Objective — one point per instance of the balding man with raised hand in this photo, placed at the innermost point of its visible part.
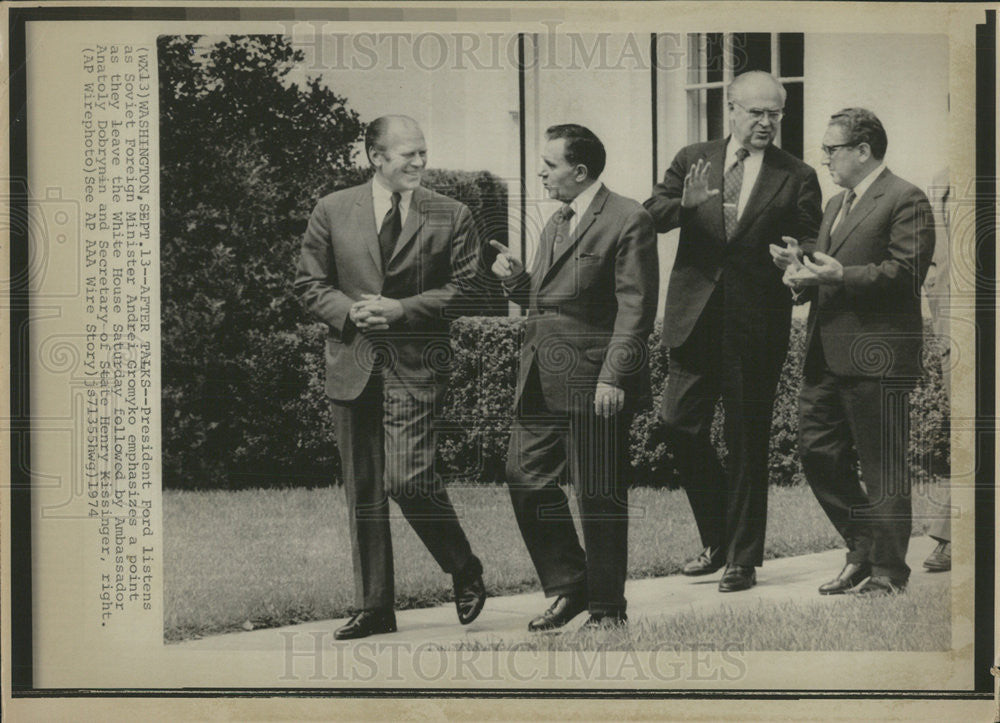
(728, 315)
(381, 264)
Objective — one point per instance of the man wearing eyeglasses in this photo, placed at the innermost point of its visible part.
(863, 345)
(728, 315)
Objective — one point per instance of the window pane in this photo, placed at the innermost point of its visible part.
(751, 51)
(713, 110)
(694, 115)
(791, 126)
(694, 58)
(713, 57)
(790, 49)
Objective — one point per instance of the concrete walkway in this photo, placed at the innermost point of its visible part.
(506, 618)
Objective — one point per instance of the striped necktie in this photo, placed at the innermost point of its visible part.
(561, 231)
(732, 182)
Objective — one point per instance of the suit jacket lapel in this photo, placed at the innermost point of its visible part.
(769, 182)
(585, 222)
(414, 220)
(858, 212)
(363, 223)
(823, 237)
(713, 206)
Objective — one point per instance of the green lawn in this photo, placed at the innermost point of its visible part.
(276, 557)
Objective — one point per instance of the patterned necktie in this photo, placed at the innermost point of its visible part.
(563, 215)
(732, 182)
(848, 202)
(389, 233)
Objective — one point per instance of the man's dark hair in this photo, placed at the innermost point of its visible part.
(377, 129)
(582, 147)
(862, 126)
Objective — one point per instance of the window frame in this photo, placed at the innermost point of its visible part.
(696, 92)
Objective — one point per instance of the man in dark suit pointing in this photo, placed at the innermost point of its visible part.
(591, 299)
(381, 264)
(728, 315)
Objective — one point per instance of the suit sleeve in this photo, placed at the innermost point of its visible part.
(637, 279)
(665, 204)
(432, 305)
(909, 252)
(316, 276)
(810, 212)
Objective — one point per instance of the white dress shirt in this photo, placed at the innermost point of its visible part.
(382, 198)
(751, 169)
(581, 203)
(859, 190)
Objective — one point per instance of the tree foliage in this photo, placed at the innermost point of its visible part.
(244, 154)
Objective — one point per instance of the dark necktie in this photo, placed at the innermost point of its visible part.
(389, 233)
(563, 215)
(732, 182)
(848, 202)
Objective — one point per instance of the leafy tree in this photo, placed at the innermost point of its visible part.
(245, 154)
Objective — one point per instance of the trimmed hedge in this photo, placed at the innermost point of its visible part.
(287, 438)
(477, 413)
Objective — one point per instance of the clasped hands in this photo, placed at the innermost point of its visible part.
(374, 312)
(800, 270)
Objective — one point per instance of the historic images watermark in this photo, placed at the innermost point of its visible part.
(315, 656)
(326, 48)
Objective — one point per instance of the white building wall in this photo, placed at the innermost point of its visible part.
(903, 79)
(613, 98)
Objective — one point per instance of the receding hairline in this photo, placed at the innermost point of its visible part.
(385, 125)
(751, 76)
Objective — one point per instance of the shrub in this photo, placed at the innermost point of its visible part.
(286, 437)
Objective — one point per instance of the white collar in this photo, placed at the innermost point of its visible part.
(383, 195)
(865, 183)
(583, 200)
(734, 145)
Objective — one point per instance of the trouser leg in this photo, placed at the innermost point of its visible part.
(686, 413)
(359, 435)
(536, 463)
(599, 459)
(748, 402)
(410, 479)
(830, 462)
(878, 412)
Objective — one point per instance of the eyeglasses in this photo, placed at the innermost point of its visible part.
(830, 150)
(758, 114)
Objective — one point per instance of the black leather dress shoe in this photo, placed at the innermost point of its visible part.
(849, 578)
(470, 592)
(602, 621)
(880, 585)
(738, 577)
(564, 609)
(940, 559)
(365, 623)
(710, 560)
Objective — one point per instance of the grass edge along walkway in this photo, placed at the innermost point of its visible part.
(268, 558)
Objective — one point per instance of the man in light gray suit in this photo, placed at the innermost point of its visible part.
(381, 264)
